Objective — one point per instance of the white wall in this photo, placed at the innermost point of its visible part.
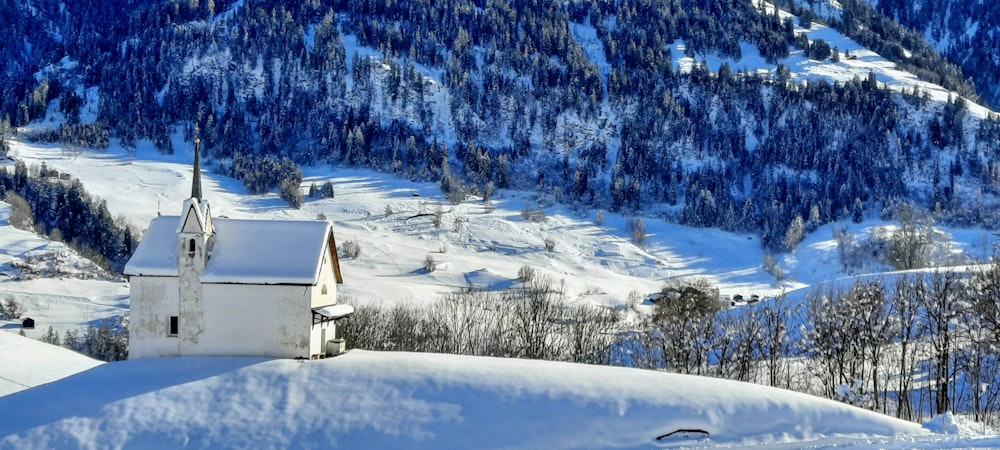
(328, 279)
(153, 301)
(317, 343)
(318, 338)
(239, 320)
(256, 320)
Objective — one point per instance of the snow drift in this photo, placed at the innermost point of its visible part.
(392, 400)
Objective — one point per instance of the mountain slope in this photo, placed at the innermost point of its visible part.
(382, 400)
(966, 31)
(601, 105)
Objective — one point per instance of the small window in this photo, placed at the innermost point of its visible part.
(324, 290)
(191, 247)
(173, 326)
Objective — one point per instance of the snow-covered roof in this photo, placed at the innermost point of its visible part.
(338, 311)
(245, 251)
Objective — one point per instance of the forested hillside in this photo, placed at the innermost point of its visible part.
(966, 31)
(493, 94)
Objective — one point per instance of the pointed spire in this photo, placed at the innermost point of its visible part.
(196, 181)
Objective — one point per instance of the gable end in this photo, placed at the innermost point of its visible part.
(332, 244)
(192, 221)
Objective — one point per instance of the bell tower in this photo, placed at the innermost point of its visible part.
(195, 236)
(195, 229)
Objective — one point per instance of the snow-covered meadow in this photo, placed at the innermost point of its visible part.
(366, 399)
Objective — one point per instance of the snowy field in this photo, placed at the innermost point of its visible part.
(380, 400)
(475, 242)
(391, 400)
(26, 363)
(409, 400)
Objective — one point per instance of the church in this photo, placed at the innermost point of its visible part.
(228, 287)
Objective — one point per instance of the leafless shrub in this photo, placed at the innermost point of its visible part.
(536, 215)
(771, 266)
(637, 229)
(526, 274)
(438, 217)
(350, 249)
(457, 193)
(21, 216)
(599, 218)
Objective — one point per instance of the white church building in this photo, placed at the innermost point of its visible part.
(228, 287)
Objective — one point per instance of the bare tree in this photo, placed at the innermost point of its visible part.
(350, 249)
(21, 216)
(867, 306)
(910, 246)
(533, 309)
(986, 291)
(526, 273)
(941, 307)
(364, 329)
(983, 326)
(684, 315)
(774, 345)
(827, 337)
(438, 216)
(905, 306)
(747, 341)
(725, 351)
(796, 230)
(637, 229)
(599, 218)
(588, 334)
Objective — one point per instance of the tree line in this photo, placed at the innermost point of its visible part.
(911, 346)
(59, 207)
(530, 321)
(968, 29)
(106, 341)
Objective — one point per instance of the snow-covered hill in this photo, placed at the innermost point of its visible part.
(856, 61)
(26, 363)
(53, 284)
(473, 236)
(403, 400)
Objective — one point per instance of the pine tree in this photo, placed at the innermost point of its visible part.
(51, 336)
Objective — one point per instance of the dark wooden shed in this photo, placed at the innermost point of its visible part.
(28, 323)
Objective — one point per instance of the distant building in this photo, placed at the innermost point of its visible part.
(206, 286)
(28, 323)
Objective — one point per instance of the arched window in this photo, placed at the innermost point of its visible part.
(191, 247)
(324, 289)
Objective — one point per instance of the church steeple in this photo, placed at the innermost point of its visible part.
(196, 218)
(196, 180)
(195, 231)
